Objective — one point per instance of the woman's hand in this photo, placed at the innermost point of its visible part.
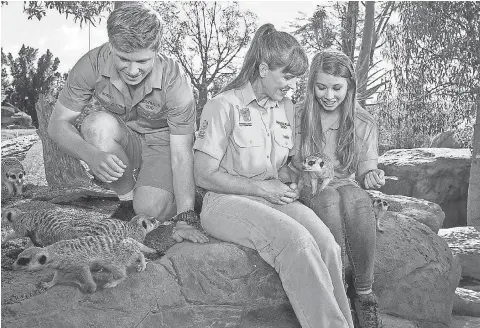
(277, 192)
(374, 179)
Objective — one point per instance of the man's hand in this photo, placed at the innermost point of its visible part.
(277, 192)
(374, 179)
(184, 231)
(106, 167)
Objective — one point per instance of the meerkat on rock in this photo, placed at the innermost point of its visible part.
(83, 254)
(13, 175)
(45, 226)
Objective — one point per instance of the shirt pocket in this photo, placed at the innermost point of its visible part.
(249, 152)
(151, 112)
(110, 106)
(284, 143)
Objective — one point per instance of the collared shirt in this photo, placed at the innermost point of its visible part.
(163, 101)
(248, 139)
(366, 132)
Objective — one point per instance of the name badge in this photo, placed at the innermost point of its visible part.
(245, 118)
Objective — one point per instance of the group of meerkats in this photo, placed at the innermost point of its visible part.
(68, 244)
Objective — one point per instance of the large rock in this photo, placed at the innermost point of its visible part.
(211, 285)
(439, 175)
(465, 244)
(415, 272)
(466, 302)
(423, 211)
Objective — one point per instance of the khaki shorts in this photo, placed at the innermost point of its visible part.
(150, 155)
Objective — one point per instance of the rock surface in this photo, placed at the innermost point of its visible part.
(415, 272)
(465, 244)
(466, 303)
(439, 175)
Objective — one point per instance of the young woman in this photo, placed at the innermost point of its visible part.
(244, 139)
(331, 122)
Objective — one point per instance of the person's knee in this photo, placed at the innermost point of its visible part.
(157, 203)
(327, 198)
(100, 128)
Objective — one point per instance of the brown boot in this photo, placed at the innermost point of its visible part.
(124, 211)
(366, 307)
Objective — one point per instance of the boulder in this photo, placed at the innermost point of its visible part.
(465, 244)
(466, 303)
(423, 211)
(465, 322)
(439, 175)
(415, 272)
(209, 285)
(221, 285)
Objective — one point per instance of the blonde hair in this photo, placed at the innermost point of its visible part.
(277, 49)
(335, 63)
(134, 26)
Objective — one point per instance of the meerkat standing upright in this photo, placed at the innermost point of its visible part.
(13, 175)
(316, 166)
(82, 254)
(380, 206)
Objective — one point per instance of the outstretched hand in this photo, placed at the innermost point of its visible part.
(374, 179)
(106, 167)
(183, 231)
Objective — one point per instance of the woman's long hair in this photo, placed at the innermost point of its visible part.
(335, 63)
(276, 49)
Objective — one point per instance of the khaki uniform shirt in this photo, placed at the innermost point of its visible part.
(249, 139)
(366, 131)
(163, 102)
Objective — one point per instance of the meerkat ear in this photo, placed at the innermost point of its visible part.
(42, 259)
(144, 225)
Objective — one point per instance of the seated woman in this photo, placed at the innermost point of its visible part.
(332, 123)
(245, 137)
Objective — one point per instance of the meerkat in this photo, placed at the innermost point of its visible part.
(83, 254)
(380, 206)
(13, 175)
(45, 227)
(314, 167)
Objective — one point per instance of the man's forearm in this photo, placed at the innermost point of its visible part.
(183, 182)
(67, 137)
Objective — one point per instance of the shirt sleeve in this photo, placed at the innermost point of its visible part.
(215, 129)
(79, 87)
(180, 102)
(369, 151)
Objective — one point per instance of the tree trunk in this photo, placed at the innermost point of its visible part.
(363, 61)
(349, 24)
(61, 169)
(202, 99)
(473, 202)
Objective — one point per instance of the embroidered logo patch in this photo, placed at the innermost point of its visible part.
(201, 131)
(244, 119)
(283, 125)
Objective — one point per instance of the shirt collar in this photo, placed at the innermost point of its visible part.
(248, 95)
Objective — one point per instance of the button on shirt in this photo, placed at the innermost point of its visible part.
(366, 132)
(249, 138)
(163, 101)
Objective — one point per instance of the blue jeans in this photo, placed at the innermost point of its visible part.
(346, 209)
(293, 240)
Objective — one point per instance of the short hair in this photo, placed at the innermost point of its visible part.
(277, 49)
(134, 26)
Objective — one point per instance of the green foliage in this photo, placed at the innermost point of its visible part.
(206, 38)
(82, 11)
(410, 124)
(5, 82)
(436, 50)
(30, 78)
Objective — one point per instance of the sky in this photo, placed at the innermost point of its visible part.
(67, 41)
